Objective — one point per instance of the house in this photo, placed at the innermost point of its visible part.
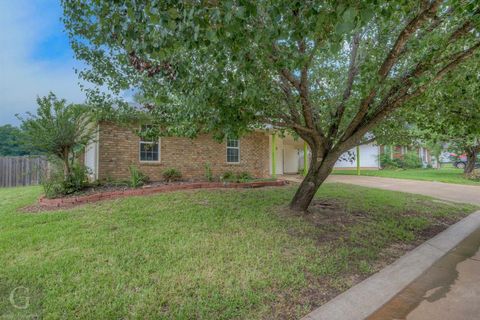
(397, 152)
(260, 153)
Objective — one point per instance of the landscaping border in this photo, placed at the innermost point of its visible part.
(73, 201)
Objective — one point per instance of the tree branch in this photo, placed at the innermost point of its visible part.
(352, 72)
(304, 90)
(405, 35)
(389, 61)
(316, 136)
(363, 142)
(387, 105)
(289, 76)
(144, 66)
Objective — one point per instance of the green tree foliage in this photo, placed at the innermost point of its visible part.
(330, 71)
(450, 112)
(59, 129)
(11, 141)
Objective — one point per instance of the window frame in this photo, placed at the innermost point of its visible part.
(151, 143)
(235, 148)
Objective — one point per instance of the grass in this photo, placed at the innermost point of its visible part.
(208, 254)
(449, 175)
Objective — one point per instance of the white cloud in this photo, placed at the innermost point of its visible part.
(24, 26)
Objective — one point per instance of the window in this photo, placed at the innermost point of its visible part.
(149, 150)
(233, 151)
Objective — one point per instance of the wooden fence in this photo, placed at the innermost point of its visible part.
(22, 171)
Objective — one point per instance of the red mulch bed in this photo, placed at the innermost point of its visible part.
(99, 196)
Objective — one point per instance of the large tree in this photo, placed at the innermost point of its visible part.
(330, 71)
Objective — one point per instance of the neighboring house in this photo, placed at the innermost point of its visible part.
(116, 148)
(397, 152)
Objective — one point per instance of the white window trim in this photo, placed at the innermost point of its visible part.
(159, 151)
(226, 152)
(151, 142)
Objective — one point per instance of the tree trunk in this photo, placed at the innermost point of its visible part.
(471, 160)
(66, 169)
(66, 164)
(313, 180)
(437, 160)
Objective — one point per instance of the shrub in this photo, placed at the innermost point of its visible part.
(77, 179)
(56, 184)
(53, 184)
(240, 177)
(244, 177)
(137, 178)
(227, 176)
(411, 160)
(387, 163)
(172, 174)
(208, 172)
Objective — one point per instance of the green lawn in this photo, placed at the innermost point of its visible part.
(212, 254)
(449, 175)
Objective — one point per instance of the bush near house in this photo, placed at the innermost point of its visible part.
(137, 177)
(55, 184)
(386, 162)
(409, 160)
(238, 177)
(172, 174)
(208, 172)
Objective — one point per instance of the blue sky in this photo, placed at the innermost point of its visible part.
(35, 57)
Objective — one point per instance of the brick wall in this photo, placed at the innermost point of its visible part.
(119, 148)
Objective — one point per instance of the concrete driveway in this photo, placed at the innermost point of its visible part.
(445, 191)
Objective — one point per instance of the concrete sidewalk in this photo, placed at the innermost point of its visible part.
(437, 280)
(448, 290)
(384, 292)
(446, 191)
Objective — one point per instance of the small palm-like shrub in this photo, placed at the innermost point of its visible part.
(137, 178)
(208, 172)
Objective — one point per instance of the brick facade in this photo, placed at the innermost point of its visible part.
(119, 148)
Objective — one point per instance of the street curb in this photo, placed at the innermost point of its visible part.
(369, 295)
